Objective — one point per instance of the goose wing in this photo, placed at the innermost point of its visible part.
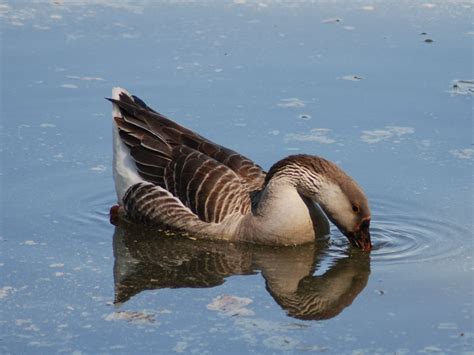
(211, 180)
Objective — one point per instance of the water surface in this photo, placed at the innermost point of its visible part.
(383, 89)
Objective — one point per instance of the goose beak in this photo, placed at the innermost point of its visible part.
(361, 237)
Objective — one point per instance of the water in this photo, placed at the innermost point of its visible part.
(358, 83)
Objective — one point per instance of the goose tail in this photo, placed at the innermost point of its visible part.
(124, 169)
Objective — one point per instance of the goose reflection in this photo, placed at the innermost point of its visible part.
(146, 262)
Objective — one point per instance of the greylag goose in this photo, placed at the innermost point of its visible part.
(170, 177)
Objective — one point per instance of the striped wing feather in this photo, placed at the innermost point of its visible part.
(211, 180)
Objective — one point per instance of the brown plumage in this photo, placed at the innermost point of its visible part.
(211, 180)
(169, 176)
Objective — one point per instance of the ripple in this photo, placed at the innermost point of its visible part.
(403, 239)
(85, 199)
(401, 232)
(91, 202)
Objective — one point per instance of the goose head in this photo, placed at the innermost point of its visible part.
(340, 197)
(346, 205)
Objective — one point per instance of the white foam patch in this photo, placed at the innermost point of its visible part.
(368, 8)
(6, 291)
(69, 86)
(180, 346)
(129, 35)
(4, 9)
(86, 78)
(56, 265)
(467, 153)
(389, 132)
(47, 125)
(318, 135)
(41, 27)
(131, 316)
(351, 77)
(447, 326)
(291, 102)
(231, 305)
(99, 168)
(432, 349)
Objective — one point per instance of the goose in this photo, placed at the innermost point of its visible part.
(169, 177)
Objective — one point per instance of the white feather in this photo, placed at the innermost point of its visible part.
(124, 168)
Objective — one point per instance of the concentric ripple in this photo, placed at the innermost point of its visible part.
(92, 203)
(403, 233)
(85, 199)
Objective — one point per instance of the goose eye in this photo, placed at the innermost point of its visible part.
(355, 208)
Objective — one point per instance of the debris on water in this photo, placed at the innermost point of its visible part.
(423, 33)
(431, 349)
(47, 125)
(131, 316)
(462, 87)
(351, 77)
(389, 132)
(304, 117)
(281, 342)
(69, 86)
(5, 291)
(180, 346)
(314, 348)
(85, 78)
(315, 135)
(429, 40)
(231, 305)
(467, 153)
(99, 168)
(56, 265)
(447, 326)
(292, 102)
(332, 20)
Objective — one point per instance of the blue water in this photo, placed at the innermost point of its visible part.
(354, 82)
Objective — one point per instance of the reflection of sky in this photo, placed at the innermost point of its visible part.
(354, 70)
(355, 82)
